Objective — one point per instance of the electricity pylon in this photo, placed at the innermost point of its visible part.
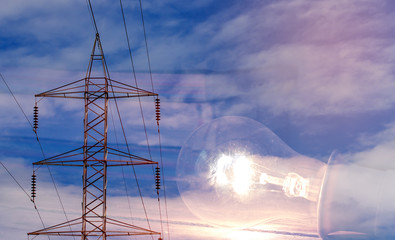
(95, 156)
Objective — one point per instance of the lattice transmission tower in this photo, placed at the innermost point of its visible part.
(95, 156)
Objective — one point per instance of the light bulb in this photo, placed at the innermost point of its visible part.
(235, 172)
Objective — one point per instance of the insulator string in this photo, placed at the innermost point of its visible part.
(157, 110)
(35, 118)
(157, 187)
(33, 192)
(157, 179)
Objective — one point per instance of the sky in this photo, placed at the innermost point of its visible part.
(318, 74)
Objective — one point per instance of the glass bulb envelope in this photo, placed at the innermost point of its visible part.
(235, 172)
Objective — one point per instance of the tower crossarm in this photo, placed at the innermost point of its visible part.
(116, 228)
(115, 89)
(115, 157)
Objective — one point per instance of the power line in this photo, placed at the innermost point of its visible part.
(16, 181)
(164, 185)
(92, 16)
(42, 151)
(123, 172)
(146, 45)
(159, 135)
(139, 100)
(133, 168)
(135, 78)
(153, 90)
(119, 115)
(20, 107)
(20, 186)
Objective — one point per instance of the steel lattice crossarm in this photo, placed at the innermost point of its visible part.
(78, 90)
(119, 228)
(75, 157)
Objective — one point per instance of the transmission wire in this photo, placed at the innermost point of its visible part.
(16, 181)
(146, 45)
(123, 172)
(34, 204)
(119, 116)
(128, 149)
(42, 151)
(135, 79)
(163, 181)
(9, 89)
(92, 16)
(159, 135)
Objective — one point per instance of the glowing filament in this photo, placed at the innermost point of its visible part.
(235, 171)
(242, 175)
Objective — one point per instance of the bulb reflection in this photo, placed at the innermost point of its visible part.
(235, 172)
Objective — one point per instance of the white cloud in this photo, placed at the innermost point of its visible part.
(314, 80)
(378, 150)
(306, 58)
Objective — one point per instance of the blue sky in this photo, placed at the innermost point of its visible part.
(319, 74)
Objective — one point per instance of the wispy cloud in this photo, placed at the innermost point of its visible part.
(310, 59)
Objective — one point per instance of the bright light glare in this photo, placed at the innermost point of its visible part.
(223, 163)
(235, 171)
(242, 175)
(263, 178)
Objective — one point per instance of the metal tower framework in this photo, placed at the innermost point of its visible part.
(95, 156)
